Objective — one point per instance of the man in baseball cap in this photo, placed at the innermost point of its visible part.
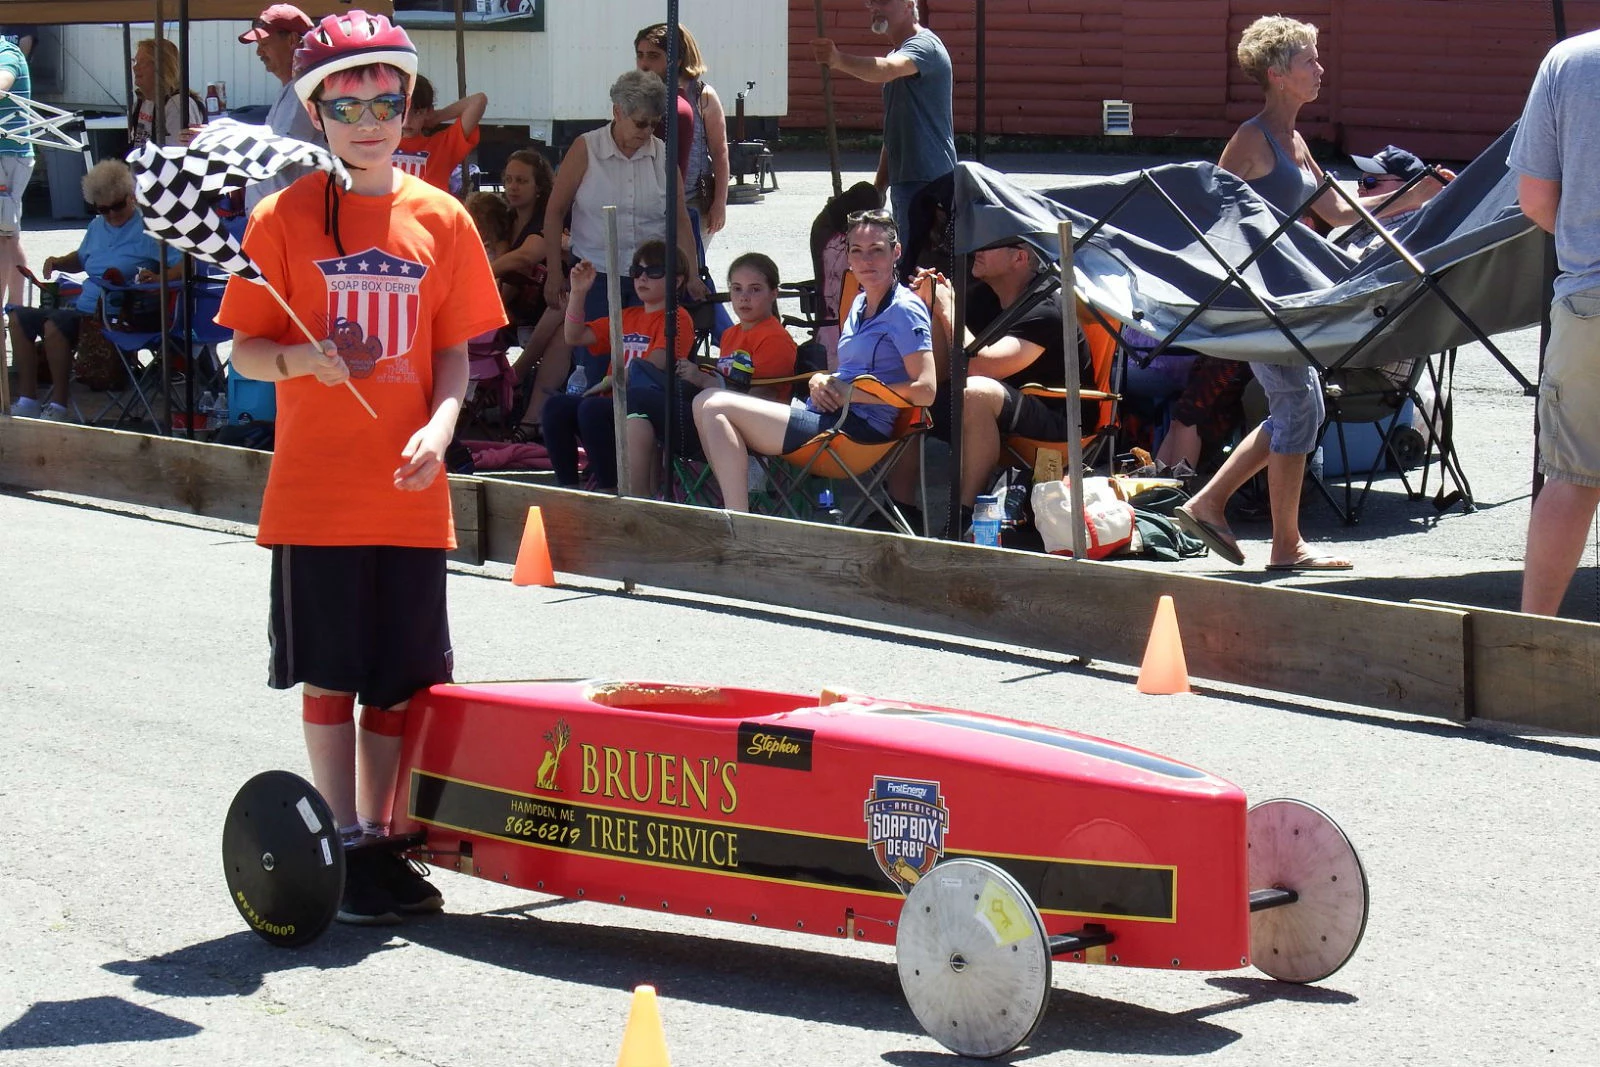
(279, 18)
(276, 33)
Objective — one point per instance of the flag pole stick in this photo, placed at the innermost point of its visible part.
(316, 341)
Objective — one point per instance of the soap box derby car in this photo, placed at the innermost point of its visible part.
(983, 847)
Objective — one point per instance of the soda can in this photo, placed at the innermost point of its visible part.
(741, 370)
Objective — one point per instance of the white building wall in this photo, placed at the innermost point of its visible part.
(531, 78)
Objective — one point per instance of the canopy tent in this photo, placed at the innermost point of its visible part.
(57, 12)
(1145, 264)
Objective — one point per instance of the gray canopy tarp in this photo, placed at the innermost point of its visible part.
(1146, 268)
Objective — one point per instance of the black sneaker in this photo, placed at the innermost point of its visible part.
(402, 880)
(365, 901)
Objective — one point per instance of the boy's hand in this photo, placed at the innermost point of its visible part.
(424, 459)
(324, 362)
(583, 275)
(697, 289)
(598, 387)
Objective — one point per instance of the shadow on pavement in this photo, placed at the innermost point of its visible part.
(91, 1021)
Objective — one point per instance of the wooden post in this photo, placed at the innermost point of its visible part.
(619, 373)
(1069, 340)
(461, 83)
(827, 106)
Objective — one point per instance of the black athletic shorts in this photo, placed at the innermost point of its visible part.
(1028, 416)
(365, 619)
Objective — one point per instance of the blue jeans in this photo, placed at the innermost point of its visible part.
(568, 419)
(900, 197)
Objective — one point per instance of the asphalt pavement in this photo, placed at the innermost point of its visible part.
(132, 662)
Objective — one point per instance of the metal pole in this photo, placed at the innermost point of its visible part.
(670, 429)
(461, 82)
(827, 106)
(619, 373)
(158, 131)
(186, 294)
(1069, 340)
(958, 390)
(980, 126)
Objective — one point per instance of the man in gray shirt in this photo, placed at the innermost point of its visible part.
(919, 142)
(1556, 152)
(276, 33)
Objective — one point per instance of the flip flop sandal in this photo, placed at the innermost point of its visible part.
(1313, 563)
(1212, 536)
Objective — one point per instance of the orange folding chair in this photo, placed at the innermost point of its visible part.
(834, 454)
(1100, 437)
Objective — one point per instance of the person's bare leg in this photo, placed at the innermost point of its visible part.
(26, 351)
(12, 284)
(1286, 475)
(732, 426)
(980, 435)
(1558, 531)
(59, 354)
(1243, 463)
(377, 760)
(1182, 442)
(331, 751)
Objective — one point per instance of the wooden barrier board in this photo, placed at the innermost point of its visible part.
(1374, 653)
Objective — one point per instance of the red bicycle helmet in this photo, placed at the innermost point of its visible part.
(343, 42)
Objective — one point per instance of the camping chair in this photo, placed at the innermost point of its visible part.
(834, 454)
(1099, 440)
(131, 335)
(201, 343)
(1377, 398)
(491, 384)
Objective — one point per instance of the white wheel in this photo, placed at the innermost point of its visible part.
(974, 958)
(1293, 845)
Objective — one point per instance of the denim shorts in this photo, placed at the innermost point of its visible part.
(804, 424)
(1294, 406)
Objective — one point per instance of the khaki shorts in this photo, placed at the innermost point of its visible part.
(1569, 392)
(14, 174)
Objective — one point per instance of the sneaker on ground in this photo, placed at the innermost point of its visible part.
(365, 902)
(54, 412)
(25, 407)
(402, 879)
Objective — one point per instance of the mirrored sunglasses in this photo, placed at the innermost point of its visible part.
(348, 109)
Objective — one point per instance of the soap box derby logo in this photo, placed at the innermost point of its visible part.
(775, 746)
(906, 825)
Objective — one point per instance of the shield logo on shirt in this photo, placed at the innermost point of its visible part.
(373, 303)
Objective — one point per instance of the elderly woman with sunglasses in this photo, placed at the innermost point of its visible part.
(115, 245)
(887, 334)
(622, 163)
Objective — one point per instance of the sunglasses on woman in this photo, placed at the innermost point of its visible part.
(349, 109)
(106, 209)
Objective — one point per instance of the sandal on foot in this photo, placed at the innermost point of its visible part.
(1213, 536)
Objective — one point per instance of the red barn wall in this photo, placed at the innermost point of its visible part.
(1442, 77)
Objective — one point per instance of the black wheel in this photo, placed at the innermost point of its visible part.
(282, 858)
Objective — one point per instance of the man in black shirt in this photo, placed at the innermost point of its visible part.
(1029, 352)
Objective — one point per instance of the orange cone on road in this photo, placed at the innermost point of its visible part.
(644, 1043)
(1164, 671)
(533, 556)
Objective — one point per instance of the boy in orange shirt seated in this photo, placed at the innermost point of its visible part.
(357, 511)
(585, 412)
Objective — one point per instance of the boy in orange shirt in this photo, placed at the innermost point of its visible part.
(357, 512)
(434, 143)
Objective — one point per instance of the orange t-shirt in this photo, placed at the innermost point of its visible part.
(642, 333)
(433, 157)
(415, 280)
(769, 346)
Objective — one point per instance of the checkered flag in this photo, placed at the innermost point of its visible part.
(178, 187)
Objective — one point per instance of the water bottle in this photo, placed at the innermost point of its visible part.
(578, 383)
(826, 509)
(1315, 463)
(741, 370)
(203, 408)
(986, 521)
(219, 410)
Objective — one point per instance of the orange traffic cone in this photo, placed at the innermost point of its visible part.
(533, 557)
(644, 1043)
(1164, 671)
